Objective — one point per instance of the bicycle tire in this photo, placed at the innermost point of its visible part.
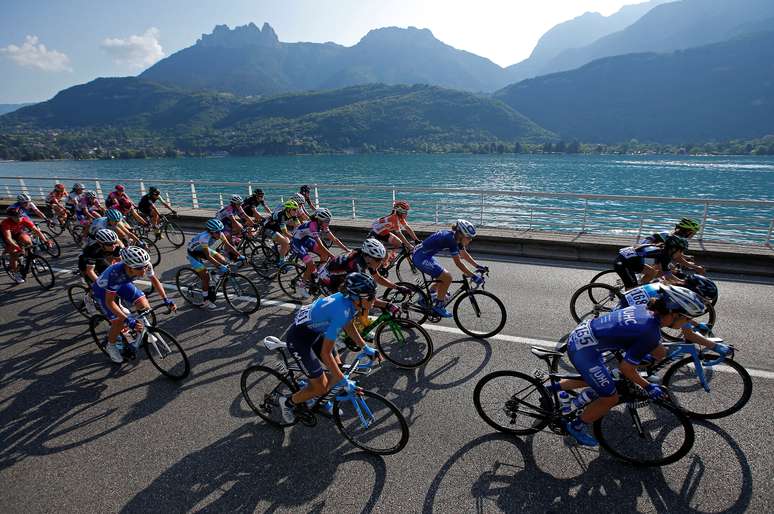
(42, 272)
(189, 285)
(288, 277)
(407, 271)
(531, 400)
(351, 423)
(153, 250)
(175, 234)
(96, 334)
(76, 293)
(709, 318)
(410, 339)
(474, 299)
(264, 259)
(4, 259)
(411, 303)
(608, 300)
(165, 344)
(683, 370)
(238, 287)
(609, 277)
(265, 404)
(55, 226)
(54, 250)
(613, 437)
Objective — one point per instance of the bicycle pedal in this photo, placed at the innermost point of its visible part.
(307, 418)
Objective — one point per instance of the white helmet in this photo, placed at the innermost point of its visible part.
(324, 215)
(23, 197)
(466, 228)
(236, 199)
(373, 248)
(106, 236)
(682, 300)
(135, 257)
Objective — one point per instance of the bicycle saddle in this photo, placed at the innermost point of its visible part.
(542, 353)
(272, 343)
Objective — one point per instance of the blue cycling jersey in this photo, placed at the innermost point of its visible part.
(25, 212)
(327, 315)
(441, 240)
(115, 277)
(634, 329)
(640, 295)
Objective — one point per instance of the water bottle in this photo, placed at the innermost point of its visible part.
(565, 403)
(584, 398)
(616, 374)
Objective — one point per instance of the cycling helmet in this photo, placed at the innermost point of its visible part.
(304, 189)
(681, 300)
(214, 225)
(323, 215)
(154, 191)
(106, 236)
(23, 198)
(135, 257)
(236, 199)
(290, 204)
(12, 211)
(114, 215)
(91, 195)
(59, 187)
(688, 224)
(77, 186)
(675, 243)
(400, 207)
(119, 188)
(258, 192)
(373, 248)
(702, 286)
(465, 228)
(299, 198)
(359, 285)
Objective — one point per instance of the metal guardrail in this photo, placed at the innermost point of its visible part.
(745, 222)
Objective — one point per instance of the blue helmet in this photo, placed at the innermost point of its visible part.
(702, 286)
(359, 285)
(114, 215)
(215, 225)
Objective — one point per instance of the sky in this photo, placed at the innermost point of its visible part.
(47, 46)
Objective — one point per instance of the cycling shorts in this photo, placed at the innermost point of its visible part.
(305, 345)
(627, 269)
(127, 292)
(303, 247)
(427, 265)
(82, 217)
(590, 364)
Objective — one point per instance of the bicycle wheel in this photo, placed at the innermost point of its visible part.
(55, 226)
(583, 306)
(372, 423)
(676, 334)
(54, 250)
(513, 402)
(262, 387)
(609, 277)
(412, 304)
(175, 234)
(42, 272)
(730, 387)
(153, 250)
(404, 343)
(99, 327)
(289, 277)
(479, 314)
(4, 259)
(78, 294)
(645, 433)
(165, 353)
(406, 271)
(241, 294)
(189, 285)
(264, 260)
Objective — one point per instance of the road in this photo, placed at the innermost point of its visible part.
(77, 434)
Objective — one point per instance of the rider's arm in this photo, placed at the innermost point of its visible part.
(8, 238)
(110, 300)
(229, 246)
(125, 232)
(410, 230)
(159, 287)
(683, 261)
(469, 258)
(629, 370)
(399, 234)
(696, 338)
(383, 281)
(461, 265)
(89, 272)
(38, 233)
(335, 240)
(326, 354)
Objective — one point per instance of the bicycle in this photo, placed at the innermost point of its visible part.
(82, 299)
(163, 350)
(51, 249)
(29, 261)
(366, 419)
(171, 230)
(239, 291)
(402, 263)
(476, 312)
(638, 430)
(401, 341)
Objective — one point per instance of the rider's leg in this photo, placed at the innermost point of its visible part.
(444, 280)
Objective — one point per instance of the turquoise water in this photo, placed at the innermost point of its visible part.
(748, 177)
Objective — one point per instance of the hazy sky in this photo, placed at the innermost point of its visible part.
(46, 46)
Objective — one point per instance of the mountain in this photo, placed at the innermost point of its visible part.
(249, 61)
(671, 26)
(576, 33)
(714, 92)
(6, 108)
(129, 110)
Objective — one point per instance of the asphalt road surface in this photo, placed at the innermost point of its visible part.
(80, 435)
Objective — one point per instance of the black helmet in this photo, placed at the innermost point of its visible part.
(702, 286)
(258, 192)
(12, 211)
(154, 191)
(359, 285)
(305, 189)
(674, 243)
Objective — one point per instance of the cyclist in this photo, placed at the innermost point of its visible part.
(368, 258)
(306, 239)
(117, 282)
(305, 191)
(303, 214)
(16, 240)
(637, 330)
(650, 260)
(276, 227)
(97, 256)
(388, 229)
(456, 242)
(54, 200)
(203, 247)
(113, 220)
(311, 339)
(119, 200)
(685, 228)
(251, 204)
(88, 208)
(27, 208)
(74, 197)
(148, 209)
(228, 216)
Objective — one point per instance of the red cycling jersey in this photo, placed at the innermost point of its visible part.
(16, 227)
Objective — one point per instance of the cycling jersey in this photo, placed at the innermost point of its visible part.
(640, 295)
(94, 255)
(424, 252)
(384, 225)
(55, 196)
(120, 202)
(73, 197)
(278, 221)
(116, 280)
(16, 228)
(636, 330)
(86, 206)
(145, 204)
(225, 214)
(632, 260)
(333, 272)
(311, 229)
(655, 238)
(251, 204)
(24, 211)
(98, 224)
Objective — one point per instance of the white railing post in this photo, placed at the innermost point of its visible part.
(354, 214)
(393, 195)
(194, 198)
(249, 188)
(639, 232)
(42, 196)
(98, 189)
(436, 212)
(316, 198)
(142, 188)
(481, 214)
(168, 200)
(531, 213)
(703, 221)
(8, 191)
(220, 196)
(585, 213)
(23, 186)
(768, 237)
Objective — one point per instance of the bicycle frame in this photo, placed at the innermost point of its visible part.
(677, 350)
